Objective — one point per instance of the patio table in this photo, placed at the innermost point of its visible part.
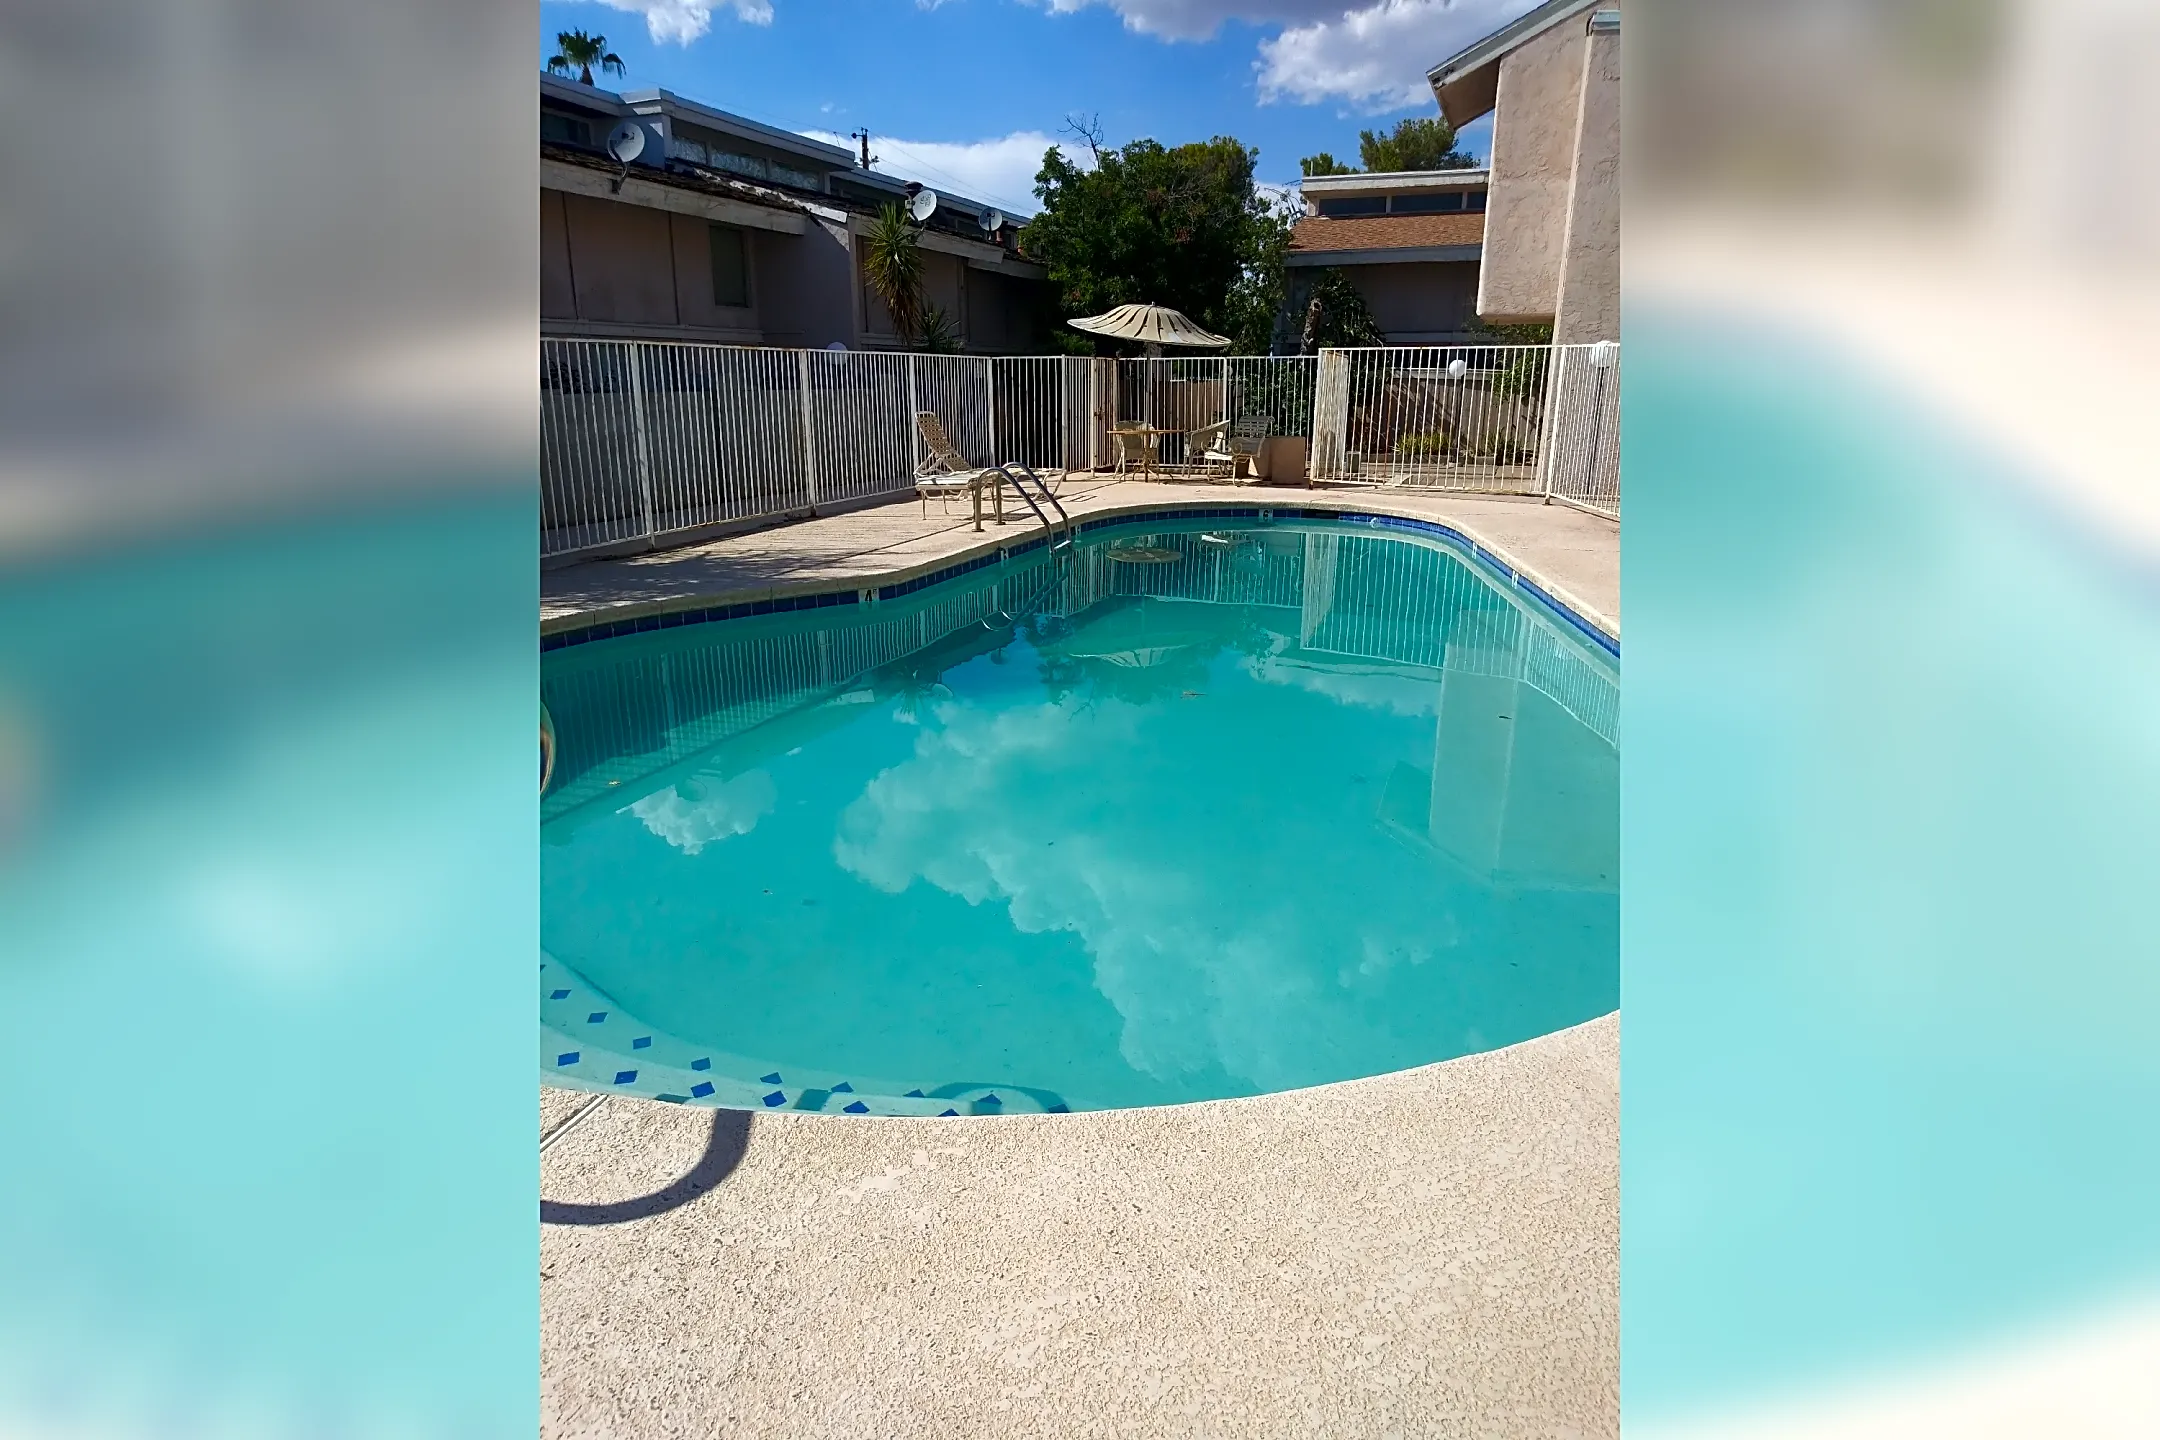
(1152, 434)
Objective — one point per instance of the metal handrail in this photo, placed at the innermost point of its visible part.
(1006, 470)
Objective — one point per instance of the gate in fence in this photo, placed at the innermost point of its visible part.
(648, 441)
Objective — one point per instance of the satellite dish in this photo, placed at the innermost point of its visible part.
(626, 141)
(923, 206)
(991, 220)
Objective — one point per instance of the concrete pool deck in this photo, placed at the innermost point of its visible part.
(1570, 553)
(1428, 1253)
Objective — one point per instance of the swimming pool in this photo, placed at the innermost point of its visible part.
(1190, 810)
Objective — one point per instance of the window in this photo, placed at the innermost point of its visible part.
(1475, 200)
(1426, 204)
(730, 266)
(564, 129)
(1346, 209)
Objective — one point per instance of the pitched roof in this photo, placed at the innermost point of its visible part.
(1387, 232)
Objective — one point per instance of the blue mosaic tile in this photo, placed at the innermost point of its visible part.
(843, 1088)
(703, 1062)
(559, 995)
(596, 1017)
(701, 1089)
(915, 1094)
(624, 1077)
(568, 1057)
(776, 1098)
(943, 1113)
(643, 1042)
(991, 1100)
(772, 1079)
(674, 1099)
(858, 1108)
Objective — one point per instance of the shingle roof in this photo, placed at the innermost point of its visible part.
(677, 174)
(1387, 232)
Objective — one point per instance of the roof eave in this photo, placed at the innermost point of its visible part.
(1460, 71)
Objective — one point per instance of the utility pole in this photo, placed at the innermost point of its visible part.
(864, 136)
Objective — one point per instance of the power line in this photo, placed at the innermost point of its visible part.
(1004, 201)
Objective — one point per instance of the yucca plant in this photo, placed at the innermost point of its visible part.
(940, 336)
(574, 49)
(893, 268)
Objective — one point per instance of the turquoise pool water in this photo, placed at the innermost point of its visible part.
(1178, 814)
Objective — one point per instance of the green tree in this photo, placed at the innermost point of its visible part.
(1417, 142)
(1325, 164)
(1336, 314)
(576, 50)
(1256, 296)
(893, 269)
(1180, 226)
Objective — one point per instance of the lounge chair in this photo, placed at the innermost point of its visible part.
(942, 472)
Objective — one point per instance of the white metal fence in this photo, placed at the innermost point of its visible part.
(1582, 447)
(646, 441)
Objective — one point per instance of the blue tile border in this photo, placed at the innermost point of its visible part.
(780, 605)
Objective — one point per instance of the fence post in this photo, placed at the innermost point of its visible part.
(914, 407)
(1331, 413)
(990, 394)
(809, 431)
(637, 429)
(1549, 431)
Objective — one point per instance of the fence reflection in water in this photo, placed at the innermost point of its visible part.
(1328, 598)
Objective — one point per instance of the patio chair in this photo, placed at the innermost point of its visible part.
(1203, 449)
(942, 472)
(1241, 446)
(1135, 448)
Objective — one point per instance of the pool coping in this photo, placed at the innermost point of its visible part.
(581, 626)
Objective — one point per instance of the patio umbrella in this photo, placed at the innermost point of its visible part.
(1153, 325)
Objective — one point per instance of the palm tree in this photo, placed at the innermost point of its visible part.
(576, 48)
(893, 268)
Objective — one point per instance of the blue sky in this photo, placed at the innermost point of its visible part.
(965, 94)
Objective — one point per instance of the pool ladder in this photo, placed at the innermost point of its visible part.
(1018, 475)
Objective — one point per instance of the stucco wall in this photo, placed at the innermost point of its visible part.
(805, 287)
(1533, 156)
(1588, 304)
(1414, 301)
(1001, 314)
(612, 268)
(556, 300)
(622, 267)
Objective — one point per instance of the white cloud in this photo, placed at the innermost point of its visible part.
(1000, 171)
(1208, 962)
(682, 21)
(705, 810)
(1199, 19)
(1375, 58)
